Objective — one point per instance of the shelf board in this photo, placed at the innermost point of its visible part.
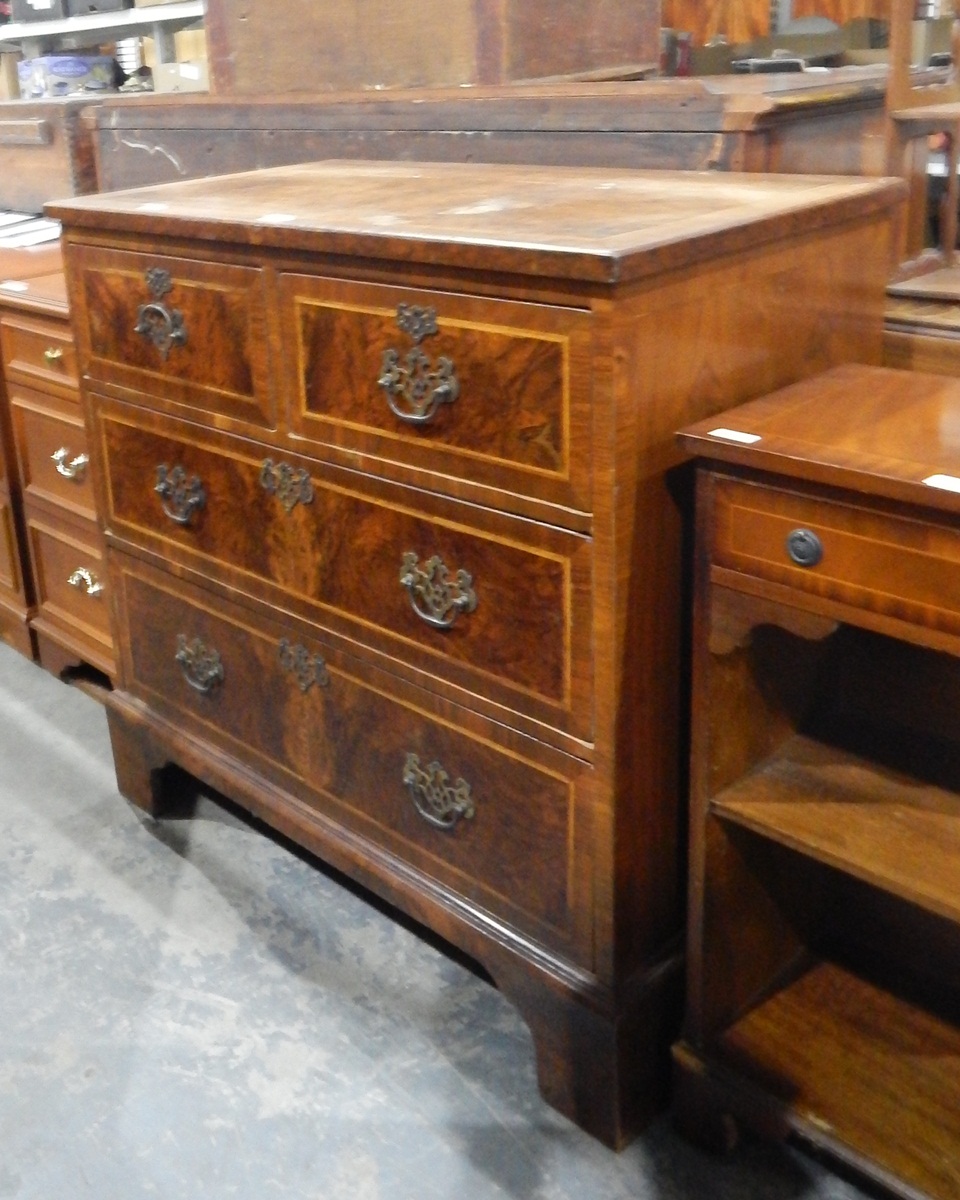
(864, 1074)
(126, 23)
(880, 825)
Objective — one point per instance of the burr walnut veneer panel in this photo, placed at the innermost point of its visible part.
(394, 517)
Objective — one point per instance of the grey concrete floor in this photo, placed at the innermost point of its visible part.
(189, 1010)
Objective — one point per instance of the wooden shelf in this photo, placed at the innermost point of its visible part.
(882, 1050)
(127, 23)
(882, 826)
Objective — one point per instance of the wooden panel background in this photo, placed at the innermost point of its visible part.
(303, 46)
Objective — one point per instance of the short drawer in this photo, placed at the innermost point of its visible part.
(11, 579)
(472, 598)
(70, 577)
(182, 332)
(52, 451)
(39, 352)
(846, 552)
(488, 391)
(494, 824)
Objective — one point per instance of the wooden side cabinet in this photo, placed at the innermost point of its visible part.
(53, 600)
(824, 934)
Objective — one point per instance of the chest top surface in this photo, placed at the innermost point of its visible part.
(874, 430)
(591, 224)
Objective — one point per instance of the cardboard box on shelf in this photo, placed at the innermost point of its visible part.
(181, 77)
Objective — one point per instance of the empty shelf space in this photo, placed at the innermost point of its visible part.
(880, 825)
(842, 1056)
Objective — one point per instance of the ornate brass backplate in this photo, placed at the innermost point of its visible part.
(440, 802)
(414, 385)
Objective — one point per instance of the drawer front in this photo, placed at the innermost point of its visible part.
(39, 352)
(889, 564)
(11, 581)
(179, 331)
(489, 391)
(53, 452)
(476, 599)
(71, 578)
(500, 830)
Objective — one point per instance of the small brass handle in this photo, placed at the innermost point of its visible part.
(435, 596)
(53, 354)
(84, 578)
(441, 803)
(416, 387)
(180, 497)
(804, 547)
(200, 664)
(74, 469)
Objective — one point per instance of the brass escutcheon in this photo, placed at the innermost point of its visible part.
(291, 485)
(307, 669)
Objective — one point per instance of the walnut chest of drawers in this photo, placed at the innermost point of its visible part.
(394, 522)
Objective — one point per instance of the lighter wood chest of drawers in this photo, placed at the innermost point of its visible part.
(394, 520)
(53, 603)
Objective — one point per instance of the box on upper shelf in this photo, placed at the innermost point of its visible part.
(89, 8)
(38, 10)
(66, 75)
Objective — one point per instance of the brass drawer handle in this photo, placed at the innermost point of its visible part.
(158, 324)
(200, 664)
(306, 668)
(291, 485)
(804, 547)
(435, 596)
(84, 578)
(74, 469)
(441, 803)
(414, 386)
(180, 497)
(53, 354)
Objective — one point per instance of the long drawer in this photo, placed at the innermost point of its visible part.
(880, 562)
(494, 824)
(472, 598)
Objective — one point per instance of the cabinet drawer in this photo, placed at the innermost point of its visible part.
(474, 598)
(179, 331)
(70, 578)
(885, 563)
(53, 452)
(347, 750)
(39, 352)
(489, 391)
(11, 580)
